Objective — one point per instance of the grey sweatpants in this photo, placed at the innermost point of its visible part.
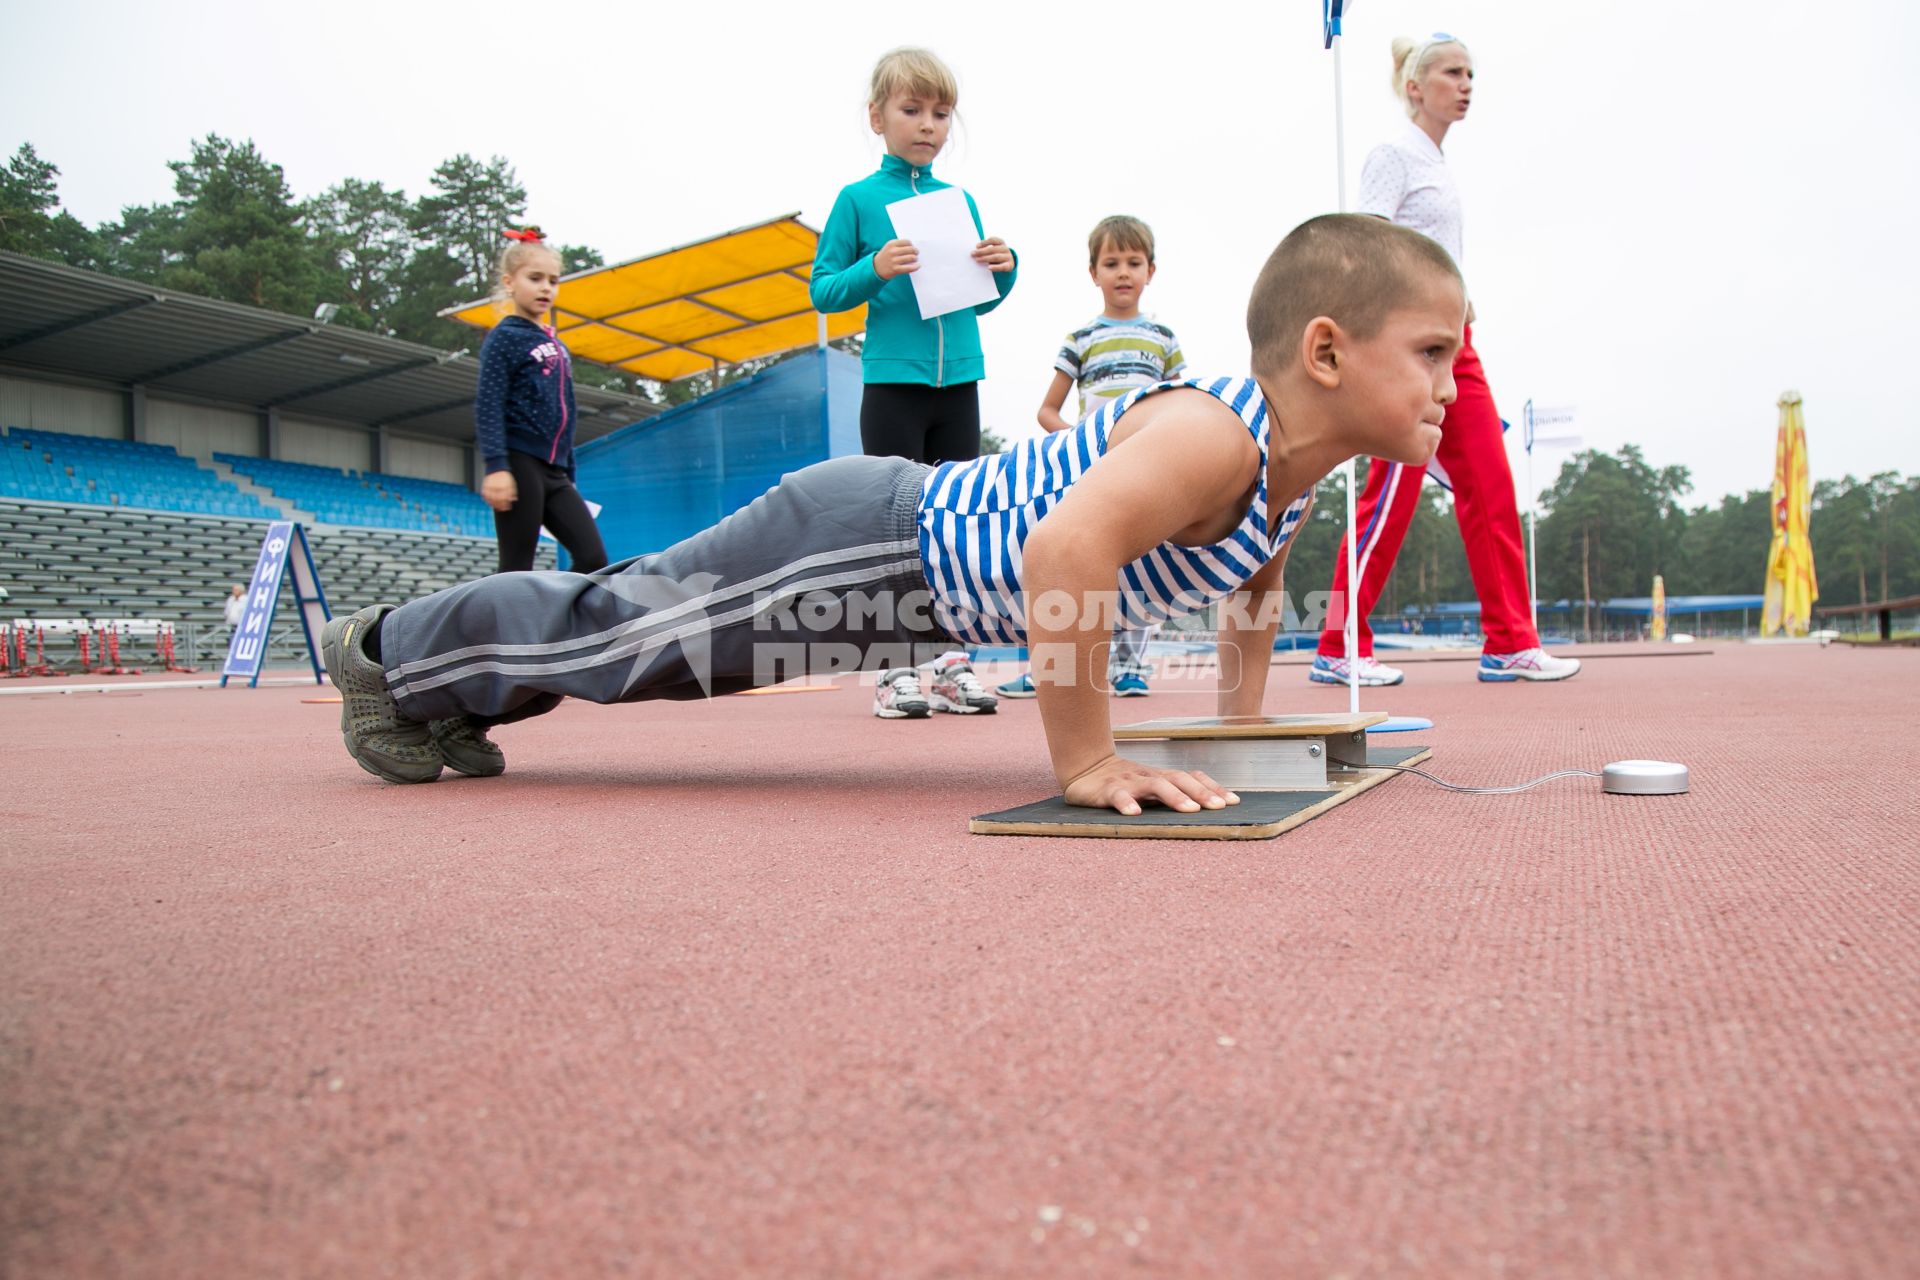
(820, 574)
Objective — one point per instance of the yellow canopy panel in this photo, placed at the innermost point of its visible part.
(734, 297)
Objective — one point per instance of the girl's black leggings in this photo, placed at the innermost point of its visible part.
(927, 424)
(547, 496)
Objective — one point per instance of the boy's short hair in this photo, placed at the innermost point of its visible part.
(1124, 232)
(1353, 268)
(914, 71)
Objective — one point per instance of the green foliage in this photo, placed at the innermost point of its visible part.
(139, 246)
(470, 207)
(363, 233)
(1866, 538)
(31, 219)
(578, 257)
(430, 281)
(238, 234)
(1723, 549)
(29, 192)
(71, 241)
(1624, 518)
(1431, 566)
(1612, 522)
(1310, 559)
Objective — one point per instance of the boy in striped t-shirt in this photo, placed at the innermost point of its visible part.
(1120, 349)
(1110, 355)
(1169, 500)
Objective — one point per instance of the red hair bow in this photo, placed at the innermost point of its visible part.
(527, 235)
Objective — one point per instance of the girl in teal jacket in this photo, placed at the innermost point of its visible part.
(921, 397)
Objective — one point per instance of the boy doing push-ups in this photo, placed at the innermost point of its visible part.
(1169, 499)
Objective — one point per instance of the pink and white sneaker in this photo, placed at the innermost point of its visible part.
(1327, 670)
(1528, 664)
(897, 696)
(957, 689)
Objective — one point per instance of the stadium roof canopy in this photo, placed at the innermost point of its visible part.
(733, 297)
(63, 320)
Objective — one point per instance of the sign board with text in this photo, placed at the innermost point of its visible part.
(283, 555)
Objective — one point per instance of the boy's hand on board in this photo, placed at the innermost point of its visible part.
(1120, 784)
(993, 254)
(896, 258)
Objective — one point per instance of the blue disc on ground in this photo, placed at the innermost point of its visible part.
(1400, 724)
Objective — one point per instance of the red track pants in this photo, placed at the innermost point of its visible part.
(1475, 456)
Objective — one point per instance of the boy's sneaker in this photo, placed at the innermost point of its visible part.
(898, 696)
(957, 689)
(1020, 688)
(386, 743)
(1326, 670)
(1528, 664)
(464, 746)
(1131, 686)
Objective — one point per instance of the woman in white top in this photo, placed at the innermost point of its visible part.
(1406, 180)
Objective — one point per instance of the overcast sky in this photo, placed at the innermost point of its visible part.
(1672, 212)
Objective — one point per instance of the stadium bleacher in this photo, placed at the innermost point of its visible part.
(53, 466)
(372, 499)
(76, 560)
(457, 507)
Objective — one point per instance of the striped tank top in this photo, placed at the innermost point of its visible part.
(975, 517)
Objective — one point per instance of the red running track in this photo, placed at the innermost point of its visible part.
(725, 990)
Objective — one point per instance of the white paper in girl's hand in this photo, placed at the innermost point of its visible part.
(941, 228)
(593, 509)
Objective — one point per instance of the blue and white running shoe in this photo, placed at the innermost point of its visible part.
(1327, 670)
(1528, 664)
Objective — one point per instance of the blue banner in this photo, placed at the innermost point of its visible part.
(283, 554)
(1331, 11)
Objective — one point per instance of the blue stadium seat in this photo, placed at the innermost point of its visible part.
(369, 498)
(108, 472)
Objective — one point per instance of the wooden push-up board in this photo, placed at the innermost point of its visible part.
(1260, 815)
(1296, 726)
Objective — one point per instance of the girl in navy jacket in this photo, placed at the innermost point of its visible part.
(524, 415)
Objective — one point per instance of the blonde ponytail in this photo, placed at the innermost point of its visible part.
(1402, 46)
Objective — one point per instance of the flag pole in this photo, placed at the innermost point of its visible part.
(1331, 11)
(1533, 508)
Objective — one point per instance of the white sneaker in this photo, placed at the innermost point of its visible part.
(1528, 664)
(957, 689)
(1327, 670)
(898, 697)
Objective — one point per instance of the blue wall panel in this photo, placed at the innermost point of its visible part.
(671, 476)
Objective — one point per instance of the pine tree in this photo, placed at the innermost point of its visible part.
(240, 235)
(31, 219)
(364, 232)
(464, 216)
